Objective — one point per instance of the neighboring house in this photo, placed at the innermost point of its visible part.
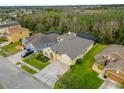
(5, 25)
(68, 48)
(113, 60)
(39, 41)
(17, 33)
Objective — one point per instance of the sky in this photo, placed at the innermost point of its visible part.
(58, 2)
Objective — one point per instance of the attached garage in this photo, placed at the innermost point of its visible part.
(68, 49)
(117, 77)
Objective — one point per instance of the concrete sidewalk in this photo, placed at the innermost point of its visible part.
(109, 84)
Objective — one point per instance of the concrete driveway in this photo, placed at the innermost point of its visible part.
(16, 57)
(50, 74)
(13, 78)
(109, 84)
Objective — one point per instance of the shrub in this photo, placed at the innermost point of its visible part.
(122, 86)
(72, 66)
(105, 76)
(79, 61)
(42, 58)
(101, 67)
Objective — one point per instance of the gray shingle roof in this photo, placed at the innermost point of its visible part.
(72, 47)
(67, 36)
(118, 65)
(39, 40)
(116, 52)
(112, 49)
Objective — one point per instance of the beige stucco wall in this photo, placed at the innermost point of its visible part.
(56, 57)
(49, 52)
(67, 60)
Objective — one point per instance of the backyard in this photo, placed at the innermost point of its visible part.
(10, 49)
(37, 60)
(81, 76)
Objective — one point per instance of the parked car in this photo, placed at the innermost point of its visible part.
(26, 53)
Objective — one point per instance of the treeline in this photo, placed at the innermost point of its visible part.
(107, 26)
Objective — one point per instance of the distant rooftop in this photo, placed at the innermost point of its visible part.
(8, 23)
(18, 30)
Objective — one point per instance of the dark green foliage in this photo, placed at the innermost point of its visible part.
(37, 60)
(72, 67)
(79, 61)
(42, 58)
(122, 86)
(106, 25)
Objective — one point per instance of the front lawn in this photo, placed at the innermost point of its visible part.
(37, 60)
(10, 49)
(29, 70)
(81, 76)
(3, 54)
(3, 39)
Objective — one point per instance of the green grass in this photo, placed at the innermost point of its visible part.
(18, 63)
(81, 76)
(10, 49)
(3, 39)
(1, 86)
(29, 70)
(3, 54)
(32, 60)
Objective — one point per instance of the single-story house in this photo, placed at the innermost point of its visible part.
(39, 41)
(68, 48)
(5, 25)
(113, 60)
(115, 71)
(17, 33)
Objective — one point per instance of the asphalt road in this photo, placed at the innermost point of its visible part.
(16, 57)
(13, 78)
